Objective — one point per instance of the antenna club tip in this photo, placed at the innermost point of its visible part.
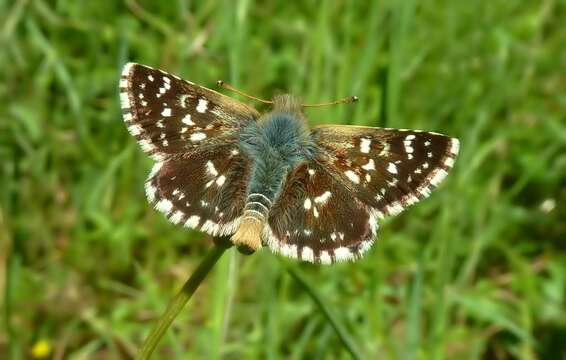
(354, 99)
(220, 83)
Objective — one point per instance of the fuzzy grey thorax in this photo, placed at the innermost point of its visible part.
(276, 143)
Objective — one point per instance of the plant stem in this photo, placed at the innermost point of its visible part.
(332, 319)
(181, 299)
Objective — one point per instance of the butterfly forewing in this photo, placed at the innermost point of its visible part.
(387, 169)
(168, 115)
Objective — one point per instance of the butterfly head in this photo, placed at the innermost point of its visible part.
(287, 103)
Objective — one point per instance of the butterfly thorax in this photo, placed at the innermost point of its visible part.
(275, 144)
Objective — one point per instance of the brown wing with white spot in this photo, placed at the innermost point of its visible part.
(387, 169)
(168, 115)
(316, 219)
(203, 190)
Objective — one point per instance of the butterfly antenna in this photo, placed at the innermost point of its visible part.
(233, 89)
(347, 100)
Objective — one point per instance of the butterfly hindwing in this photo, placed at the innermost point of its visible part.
(168, 115)
(203, 190)
(316, 219)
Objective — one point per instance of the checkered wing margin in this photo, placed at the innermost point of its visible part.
(329, 207)
(168, 115)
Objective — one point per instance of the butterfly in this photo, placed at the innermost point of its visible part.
(268, 179)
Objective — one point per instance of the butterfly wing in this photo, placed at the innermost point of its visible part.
(387, 169)
(203, 190)
(329, 207)
(200, 176)
(170, 116)
(316, 218)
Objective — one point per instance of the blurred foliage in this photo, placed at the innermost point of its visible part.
(476, 271)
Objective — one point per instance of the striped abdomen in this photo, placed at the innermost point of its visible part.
(252, 221)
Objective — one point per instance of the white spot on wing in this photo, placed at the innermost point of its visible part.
(385, 151)
(438, 176)
(127, 68)
(352, 176)
(454, 146)
(365, 246)
(198, 136)
(365, 145)
(124, 100)
(392, 168)
(211, 169)
(176, 217)
(166, 112)
(369, 166)
(135, 129)
(164, 205)
(394, 208)
(288, 250)
(325, 257)
(202, 105)
(150, 191)
(192, 221)
(322, 199)
(210, 227)
(155, 169)
(187, 120)
(308, 204)
(342, 253)
(220, 181)
(146, 145)
(307, 254)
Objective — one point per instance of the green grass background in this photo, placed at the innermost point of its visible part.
(476, 271)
